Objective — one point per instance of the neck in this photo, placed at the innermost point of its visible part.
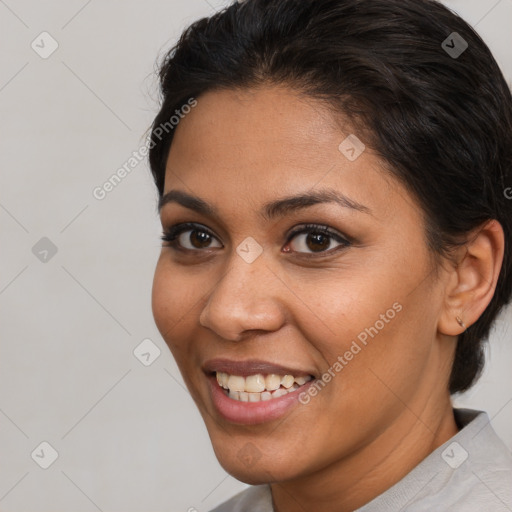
(352, 482)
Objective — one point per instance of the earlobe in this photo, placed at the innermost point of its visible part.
(460, 322)
(473, 281)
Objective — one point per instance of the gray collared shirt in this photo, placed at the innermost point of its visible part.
(471, 472)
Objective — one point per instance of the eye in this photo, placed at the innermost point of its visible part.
(313, 237)
(198, 238)
(317, 239)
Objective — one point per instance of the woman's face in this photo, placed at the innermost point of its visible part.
(245, 293)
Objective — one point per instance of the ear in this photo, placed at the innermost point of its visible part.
(472, 282)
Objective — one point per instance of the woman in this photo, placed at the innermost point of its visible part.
(337, 244)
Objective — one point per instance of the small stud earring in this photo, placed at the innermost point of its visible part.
(460, 322)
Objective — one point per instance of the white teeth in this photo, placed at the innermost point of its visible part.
(224, 380)
(272, 382)
(279, 392)
(255, 383)
(287, 381)
(258, 387)
(236, 383)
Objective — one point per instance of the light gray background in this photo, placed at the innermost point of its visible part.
(128, 436)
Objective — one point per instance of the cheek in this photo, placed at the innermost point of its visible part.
(371, 334)
(172, 302)
(162, 299)
(173, 310)
(344, 309)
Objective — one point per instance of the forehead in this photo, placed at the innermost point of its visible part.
(272, 122)
(239, 146)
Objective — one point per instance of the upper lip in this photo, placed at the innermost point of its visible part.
(250, 367)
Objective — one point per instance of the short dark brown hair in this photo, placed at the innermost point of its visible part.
(441, 122)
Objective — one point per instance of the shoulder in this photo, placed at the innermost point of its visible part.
(471, 472)
(256, 498)
(480, 466)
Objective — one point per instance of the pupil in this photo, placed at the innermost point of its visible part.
(202, 239)
(318, 238)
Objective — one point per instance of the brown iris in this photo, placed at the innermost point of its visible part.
(199, 239)
(318, 241)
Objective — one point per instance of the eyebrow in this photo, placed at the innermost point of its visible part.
(271, 210)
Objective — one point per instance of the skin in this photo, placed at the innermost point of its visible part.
(389, 407)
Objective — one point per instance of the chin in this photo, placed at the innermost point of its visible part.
(245, 462)
(251, 477)
(257, 474)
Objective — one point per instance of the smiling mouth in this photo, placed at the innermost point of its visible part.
(259, 387)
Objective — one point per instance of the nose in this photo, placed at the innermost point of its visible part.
(245, 299)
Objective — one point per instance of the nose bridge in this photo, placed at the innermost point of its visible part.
(242, 298)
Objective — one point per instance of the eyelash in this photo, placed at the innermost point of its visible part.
(171, 234)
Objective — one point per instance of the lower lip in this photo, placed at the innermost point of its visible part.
(252, 413)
